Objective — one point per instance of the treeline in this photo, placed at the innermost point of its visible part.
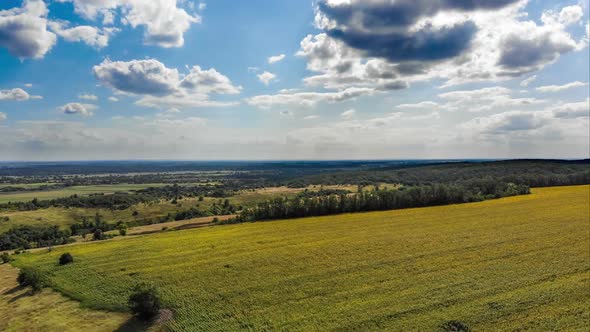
(122, 201)
(26, 237)
(533, 173)
(118, 201)
(386, 199)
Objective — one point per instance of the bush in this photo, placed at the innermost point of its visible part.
(5, 258)
(454, 326)
(123, 231)
(98, 235)
(29, 277)
(66, 258)
(144, 301)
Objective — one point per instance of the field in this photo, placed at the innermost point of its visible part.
(50, 311)
(64, 217)
(24, 196)
(514, 263)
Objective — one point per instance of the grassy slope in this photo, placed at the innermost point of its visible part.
(48, 310)
(520, 262)
(69, 191)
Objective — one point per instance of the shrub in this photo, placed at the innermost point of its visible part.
(98, 235)
(454, 326)
(66, 258)
(29, 277)
(144, 301)
(123, 231)
(5, 258)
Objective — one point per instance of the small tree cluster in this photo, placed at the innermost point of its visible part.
(145, 301)
(30, 277)
(5, 258)
(66, 258)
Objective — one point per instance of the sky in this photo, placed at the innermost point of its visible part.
(285, 80)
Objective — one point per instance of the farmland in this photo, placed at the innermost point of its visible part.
(514, 263)
(74, 190)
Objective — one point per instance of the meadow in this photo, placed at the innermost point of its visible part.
(518, 263)
(64, 217)
(24, 196)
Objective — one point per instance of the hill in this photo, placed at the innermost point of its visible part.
(514, 263)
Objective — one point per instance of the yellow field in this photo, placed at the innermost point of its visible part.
(514, 263)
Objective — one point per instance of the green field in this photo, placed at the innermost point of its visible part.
(25, 196)
(515, 263)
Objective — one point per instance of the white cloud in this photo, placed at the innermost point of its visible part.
(202, 6)
(276, 58)
(348, 115)
(163, 21)
(17, 94)
(78, 108)
(3, 116)
(162, 87)
(28, 85)
(572, 110)
(311, 117)
(307, 99)
(87, 96)
(525, 83)
(89, 35)
(138, 76)
(113, 99)
(361, 43)
(557, 88)
(266, 77)
(485, 99)
(23, 31)
(420, 105)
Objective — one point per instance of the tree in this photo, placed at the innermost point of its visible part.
(66, 258)
(98, 235)
(144, 301)
(5, 258)
(29, 277)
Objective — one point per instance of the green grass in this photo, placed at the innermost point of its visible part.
(49, 311)
(25, 196)
(514, 263)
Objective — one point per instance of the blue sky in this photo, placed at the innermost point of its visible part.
(166, 79)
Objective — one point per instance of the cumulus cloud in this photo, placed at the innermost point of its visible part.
(17, 94)
(572, 110)
(137, 76)
(87, 96)
(557, 88)
(113, 99)
(3, 116)
(164, 21)
(23, 30)
(78, 108)
(276, 58)
(163, 87)
(369, 43)
(266, 77)
(91, 36)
